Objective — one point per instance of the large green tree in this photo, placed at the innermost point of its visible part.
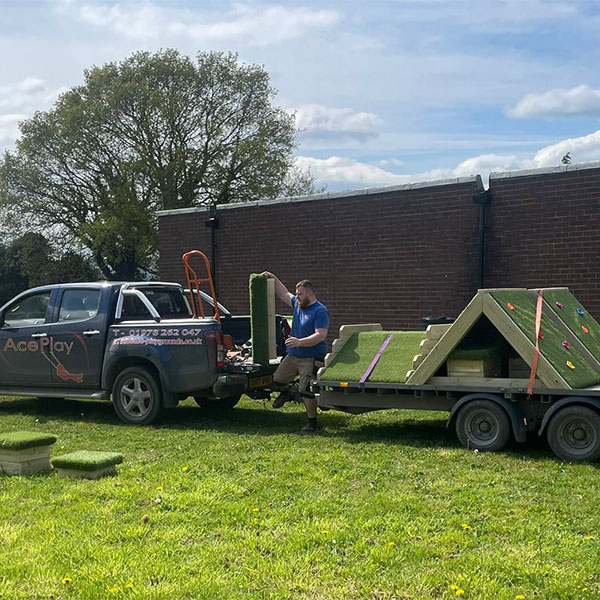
(155, 131)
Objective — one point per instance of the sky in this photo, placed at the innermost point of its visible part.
(385, 92)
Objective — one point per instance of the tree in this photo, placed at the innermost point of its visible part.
(156, 131)
(29, 261)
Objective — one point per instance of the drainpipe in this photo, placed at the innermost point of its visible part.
(483, 199)
(213, 223)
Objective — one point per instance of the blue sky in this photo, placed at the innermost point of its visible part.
(384, 92)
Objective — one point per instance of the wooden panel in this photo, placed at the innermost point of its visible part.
(426, 346)
(489, 384)
(521, 343)
(338, 344)
(347, 330)
(435, 332)
(451, 339)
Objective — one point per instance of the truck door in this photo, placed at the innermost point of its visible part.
(77, 334)
(24, 358)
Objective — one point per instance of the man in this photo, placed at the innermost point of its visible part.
(305, 345)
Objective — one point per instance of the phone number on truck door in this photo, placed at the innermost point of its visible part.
(163, 332)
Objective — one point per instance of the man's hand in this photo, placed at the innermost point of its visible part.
(268, 274)
(293, 342)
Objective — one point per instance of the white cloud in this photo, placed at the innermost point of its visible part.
(9, 128)
(25, 92)
(316, 120)
(580, 101)
(582, 149)
(254, 26)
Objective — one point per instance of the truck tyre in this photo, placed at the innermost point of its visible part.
(137, 396)
(574, 434)
(483, 425)
(217, 404)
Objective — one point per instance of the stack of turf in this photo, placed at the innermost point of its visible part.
(259, 318)
(353, 360)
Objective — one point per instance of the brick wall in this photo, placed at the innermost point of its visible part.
(395, 255)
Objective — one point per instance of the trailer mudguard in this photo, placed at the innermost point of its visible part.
(568, 400)
(514, 413)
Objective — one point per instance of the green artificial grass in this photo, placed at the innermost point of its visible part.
(573, 320)
(259, 314)
(20, 440)
(584, 375)
(357, 353)
(475, 353)
(86, 460)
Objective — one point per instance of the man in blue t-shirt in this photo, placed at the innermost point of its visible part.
(306, 345)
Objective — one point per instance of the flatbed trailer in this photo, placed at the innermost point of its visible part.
(529, 385)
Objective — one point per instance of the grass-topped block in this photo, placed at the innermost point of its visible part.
(87, 464)
(356, 355)
(25, 452)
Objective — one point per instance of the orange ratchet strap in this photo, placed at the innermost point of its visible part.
(536, 354)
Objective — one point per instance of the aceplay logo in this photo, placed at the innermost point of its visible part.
(46, 343)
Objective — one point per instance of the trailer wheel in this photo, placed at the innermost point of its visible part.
(137, 396)
(483, 425)
(216, 404)
(574, 434)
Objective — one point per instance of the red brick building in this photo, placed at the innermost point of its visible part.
(397, 254)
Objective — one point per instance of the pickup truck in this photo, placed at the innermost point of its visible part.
(135, 341)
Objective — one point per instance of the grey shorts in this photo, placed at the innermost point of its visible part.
(292, 367)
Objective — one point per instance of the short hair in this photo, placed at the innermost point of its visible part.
(306, 284)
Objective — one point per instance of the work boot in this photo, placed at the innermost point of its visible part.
(310, 427)
(281, 399)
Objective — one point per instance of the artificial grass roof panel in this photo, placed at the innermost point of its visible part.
(20, 440)
(356, 355)
(86, 460)
(570, 315)
(523, 315)
(259, 314)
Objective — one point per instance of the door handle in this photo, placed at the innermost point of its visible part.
(90, 332)
(38, 335)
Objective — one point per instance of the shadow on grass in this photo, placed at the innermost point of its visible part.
(261, 420)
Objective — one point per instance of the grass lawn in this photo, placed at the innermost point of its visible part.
(380, 506)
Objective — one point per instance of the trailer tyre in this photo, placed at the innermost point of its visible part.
(483, 425)
(137, 396)
(574, 434)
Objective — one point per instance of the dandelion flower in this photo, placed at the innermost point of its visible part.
(519, 597)
(454, 587)
(129, 586)
(66, 580)
(588, 538)
(159, 488)
(185, 468)
(466, 527)
(325, 531)
(255, 520)
(114, 590)
(391, 543)
(255, 509)
(460, 592)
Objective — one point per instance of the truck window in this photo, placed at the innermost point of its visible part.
(169, 303)
(79, 305)
(28, 311)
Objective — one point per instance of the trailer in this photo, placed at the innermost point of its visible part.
(515, 361)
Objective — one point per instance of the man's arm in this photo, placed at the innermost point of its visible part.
(282, 292)
(312, 340)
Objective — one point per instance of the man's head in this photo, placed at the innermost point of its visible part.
(305, 293)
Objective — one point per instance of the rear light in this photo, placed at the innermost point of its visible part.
(217, 336)
(228, 341)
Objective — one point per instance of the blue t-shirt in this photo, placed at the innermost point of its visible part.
(305, 322)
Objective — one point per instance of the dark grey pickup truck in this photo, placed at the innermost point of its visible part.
(135, 341)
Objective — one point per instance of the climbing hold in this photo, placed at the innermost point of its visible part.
(580, 312)
(566, 345)
(542, 336)
(585, 329)
(570, 365)
(510, 306)
(561, 306)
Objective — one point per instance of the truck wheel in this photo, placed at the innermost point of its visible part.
(137, 396)
(483, 425)
(574, 434)
(217, 403)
